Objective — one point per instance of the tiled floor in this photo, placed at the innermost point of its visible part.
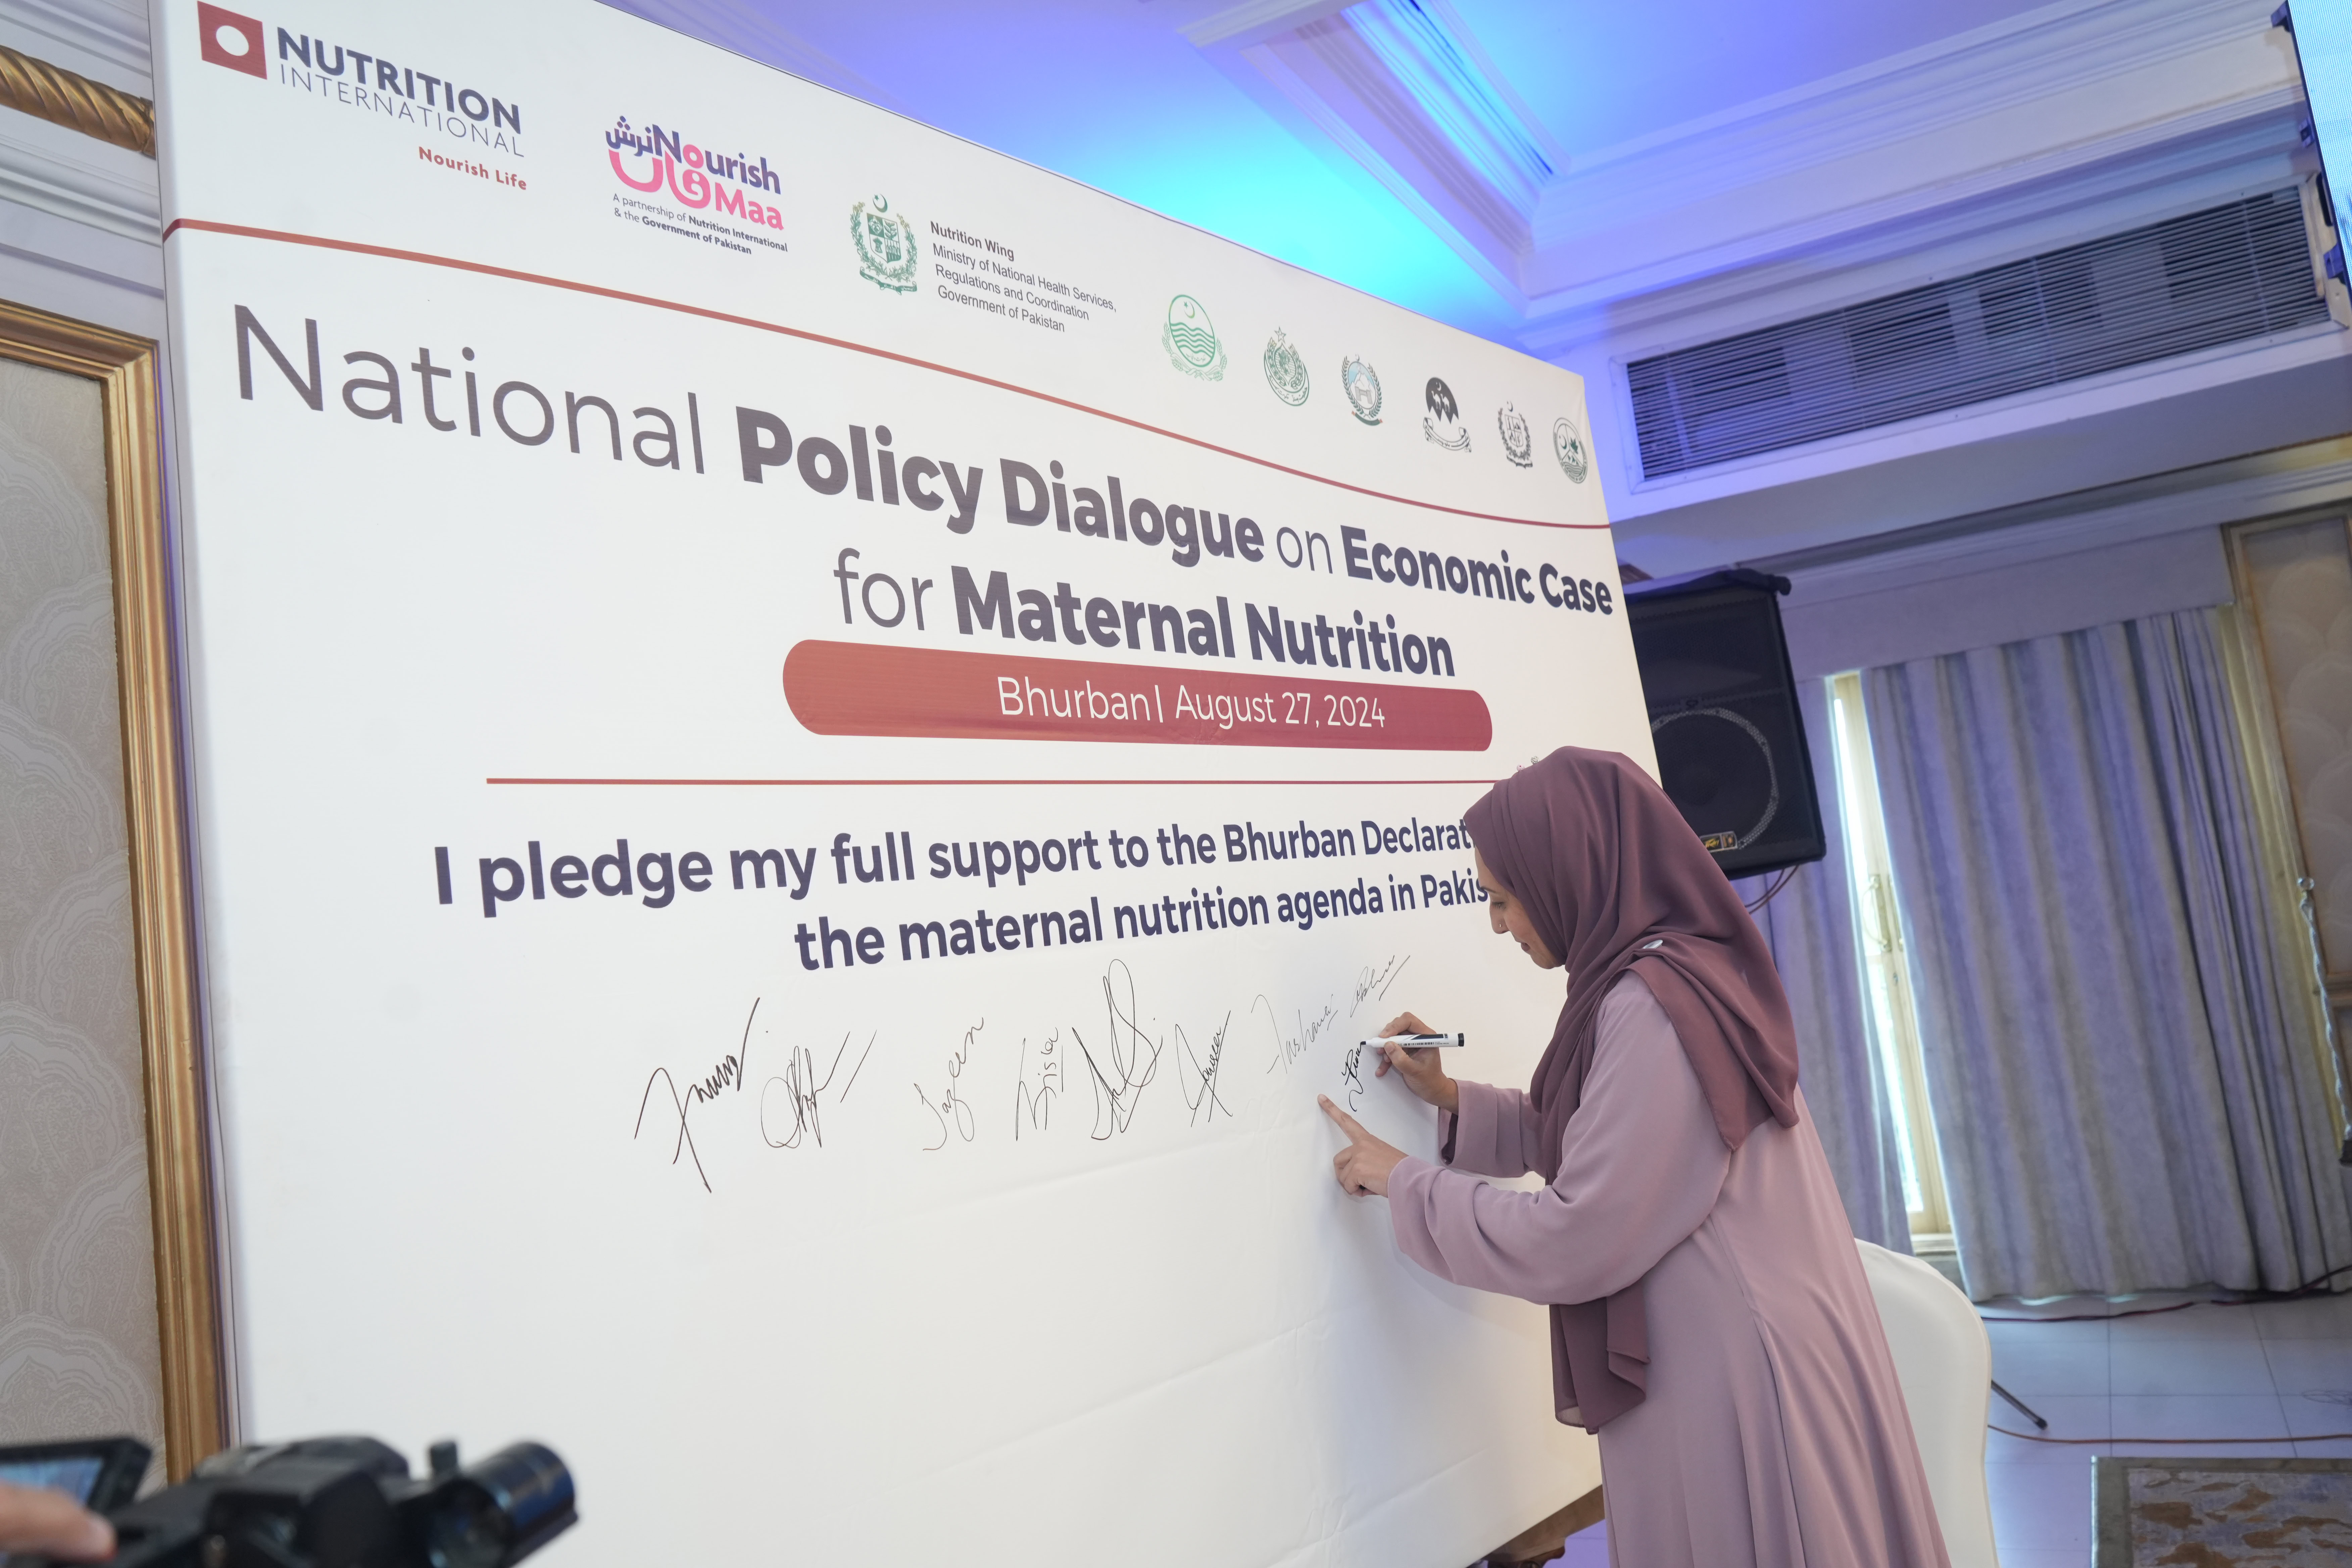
(2281, 1370)
(2276, 1370)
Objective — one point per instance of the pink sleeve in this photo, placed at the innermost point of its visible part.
(1492, 1132)
(1640, 1164)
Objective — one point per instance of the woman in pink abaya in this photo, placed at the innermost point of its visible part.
(1709, 1317)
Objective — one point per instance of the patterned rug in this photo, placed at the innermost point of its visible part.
(2222, 1513)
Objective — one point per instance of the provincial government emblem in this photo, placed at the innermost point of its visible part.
(886, 245)
(1444, 424)
(1190, 340)
(1363, 387)
(1519, 446)
(1569, 450)
(1286, 369)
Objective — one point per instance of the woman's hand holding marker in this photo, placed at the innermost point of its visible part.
(1418, 1069)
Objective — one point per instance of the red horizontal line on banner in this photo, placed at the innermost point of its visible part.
(865, 688)
(667, 783)
(427, 259)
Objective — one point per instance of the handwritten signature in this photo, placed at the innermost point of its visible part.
(1034, 1105)
(1290, 1048)
(1373, 982)
(951, 1108)
(1133, 1057)
(801, 1087)
(1200, 1081)
(728, 1074)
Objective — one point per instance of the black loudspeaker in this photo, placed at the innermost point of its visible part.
(1724, 717)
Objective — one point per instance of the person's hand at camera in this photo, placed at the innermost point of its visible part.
(37, 1520)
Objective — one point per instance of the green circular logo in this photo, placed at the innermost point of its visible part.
(1286, 369)
(1568, 448)
(1362, 386)
(1190, 338)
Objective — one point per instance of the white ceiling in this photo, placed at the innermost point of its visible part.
(1595, 76)
(1597, 183)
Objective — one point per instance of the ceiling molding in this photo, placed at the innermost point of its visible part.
(1781, 227)
(2203, 167)
(65, 173)
(1357, 83)
(1340, 82)
(2072, 91)
(2022, 63)
(2316, 475)
(1453, 81)
(1255, 21)
(1645, 232)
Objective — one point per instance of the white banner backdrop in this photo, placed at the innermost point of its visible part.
(810, 745)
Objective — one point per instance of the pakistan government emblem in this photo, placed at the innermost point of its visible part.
(1286, 369)
(1519, 446)
(1569, 450)
(886, 245)
(1191, 341)
(1444, 424)
(1363, 389)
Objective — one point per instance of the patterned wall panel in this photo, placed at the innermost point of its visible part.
(2302, 583)
(78, 1348)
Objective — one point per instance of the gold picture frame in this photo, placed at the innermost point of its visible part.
(179, 1163)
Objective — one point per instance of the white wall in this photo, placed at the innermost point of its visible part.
(1832, 626)
(2057, 565)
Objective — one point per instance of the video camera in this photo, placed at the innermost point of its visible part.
(323, 1503)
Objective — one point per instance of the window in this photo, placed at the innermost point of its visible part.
(1885, 978)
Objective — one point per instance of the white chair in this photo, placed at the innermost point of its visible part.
(1943, 1358)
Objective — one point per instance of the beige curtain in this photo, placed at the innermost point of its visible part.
(2116, 1028)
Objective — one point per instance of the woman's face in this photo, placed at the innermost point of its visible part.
(1510, 918)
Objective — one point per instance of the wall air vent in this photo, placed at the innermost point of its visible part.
(2216, 277)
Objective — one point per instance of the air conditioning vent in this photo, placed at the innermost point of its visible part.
(2218, 277)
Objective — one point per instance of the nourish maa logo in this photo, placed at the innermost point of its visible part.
(695, 176)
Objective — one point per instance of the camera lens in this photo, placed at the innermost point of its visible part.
(467, 1533)
(501, 1509)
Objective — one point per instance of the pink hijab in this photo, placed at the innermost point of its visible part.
(1613, 878)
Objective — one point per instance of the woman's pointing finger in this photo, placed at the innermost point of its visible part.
(1348, 1124)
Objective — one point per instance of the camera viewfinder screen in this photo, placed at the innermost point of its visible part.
(72, 1475)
